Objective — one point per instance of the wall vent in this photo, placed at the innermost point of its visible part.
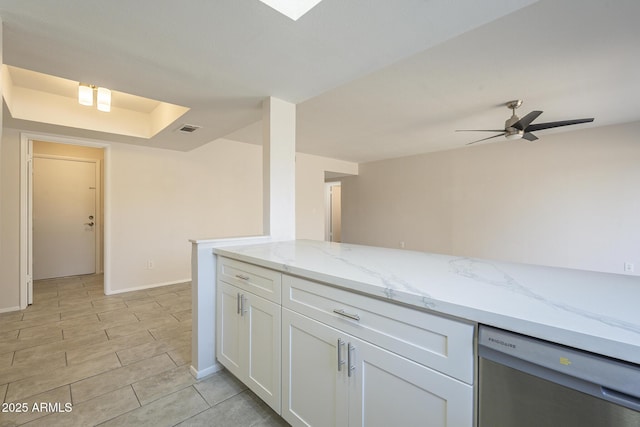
(188, 128)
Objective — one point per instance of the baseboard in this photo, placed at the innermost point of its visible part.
(143, 287)
(205, 372)
(8, 309)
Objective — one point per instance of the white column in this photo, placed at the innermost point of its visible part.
(279, 169)
(279, 214)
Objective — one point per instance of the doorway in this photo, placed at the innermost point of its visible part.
(61, 188)
(333, 211)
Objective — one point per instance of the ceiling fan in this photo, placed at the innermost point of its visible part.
(516, 127)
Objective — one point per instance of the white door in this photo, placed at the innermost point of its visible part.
(64, 217)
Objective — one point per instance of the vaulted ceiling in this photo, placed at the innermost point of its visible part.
(372, 79)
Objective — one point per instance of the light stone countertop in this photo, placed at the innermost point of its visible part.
(597, 312)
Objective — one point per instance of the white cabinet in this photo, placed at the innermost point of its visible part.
(331, 377)
(325, 356)
(248, 340)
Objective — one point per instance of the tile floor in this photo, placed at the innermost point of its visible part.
(120, 360)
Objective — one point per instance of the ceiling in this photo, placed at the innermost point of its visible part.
(372, 79)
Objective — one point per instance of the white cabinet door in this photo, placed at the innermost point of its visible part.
(248, 341)
(228, 326)
(314, 391)
(261, 323)
(389, 390)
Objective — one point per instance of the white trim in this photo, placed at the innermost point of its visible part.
(143, 287)
(205, 372)
(26, 190)
(8, 309)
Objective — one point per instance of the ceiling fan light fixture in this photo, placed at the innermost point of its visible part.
(514, 134)
(85, 94)
(104, 99)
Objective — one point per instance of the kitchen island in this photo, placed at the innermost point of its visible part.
(592, 311)
(324, 332)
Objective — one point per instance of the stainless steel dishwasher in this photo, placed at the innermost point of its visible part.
(526, 382)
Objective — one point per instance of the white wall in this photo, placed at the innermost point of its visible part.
(570, 199)
(310, 203)
(160, 199)
(9, 220)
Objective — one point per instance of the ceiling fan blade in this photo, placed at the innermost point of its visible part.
(549, 125)
(526, 120)
(529, 136)
(484, 139)
(480, 130)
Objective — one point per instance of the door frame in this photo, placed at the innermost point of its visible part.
(97, 216)
(26, 209)
(328, 228)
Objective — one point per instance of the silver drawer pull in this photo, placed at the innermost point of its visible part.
(341, 312)
(241, 276)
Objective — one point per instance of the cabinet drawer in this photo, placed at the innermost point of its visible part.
(443, 344)
(252, 278)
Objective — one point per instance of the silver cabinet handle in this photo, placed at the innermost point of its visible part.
(242, 300)
(351, 359)
(341, 312)
(340, 361)
(238, 303)
(242, 277)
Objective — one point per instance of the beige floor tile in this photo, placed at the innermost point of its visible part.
(117, 316)
(5, 360)
(162, 384)
(60, 395)
(109, 304)
(183, 316)
(242, 410)
(142, 302)
(42, 366)
(78, 321)
(9, 336)
(219, 387)
(11, 316)
(94, 411)
(131, 328)
(172, 330)
(150, 348)
(24, 324)
(67, 375)
(43, 351)
(106, 346)
(155, 314)
(34, 315)
(17, 344)
(167, 411)
(44, 331)
(181, 356)
(3, 391)
(100, 384)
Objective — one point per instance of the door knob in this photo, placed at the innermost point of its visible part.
(90, 224)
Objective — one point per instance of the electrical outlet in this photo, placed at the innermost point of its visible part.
(150, 265)
(629, 267)
(401, 245)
